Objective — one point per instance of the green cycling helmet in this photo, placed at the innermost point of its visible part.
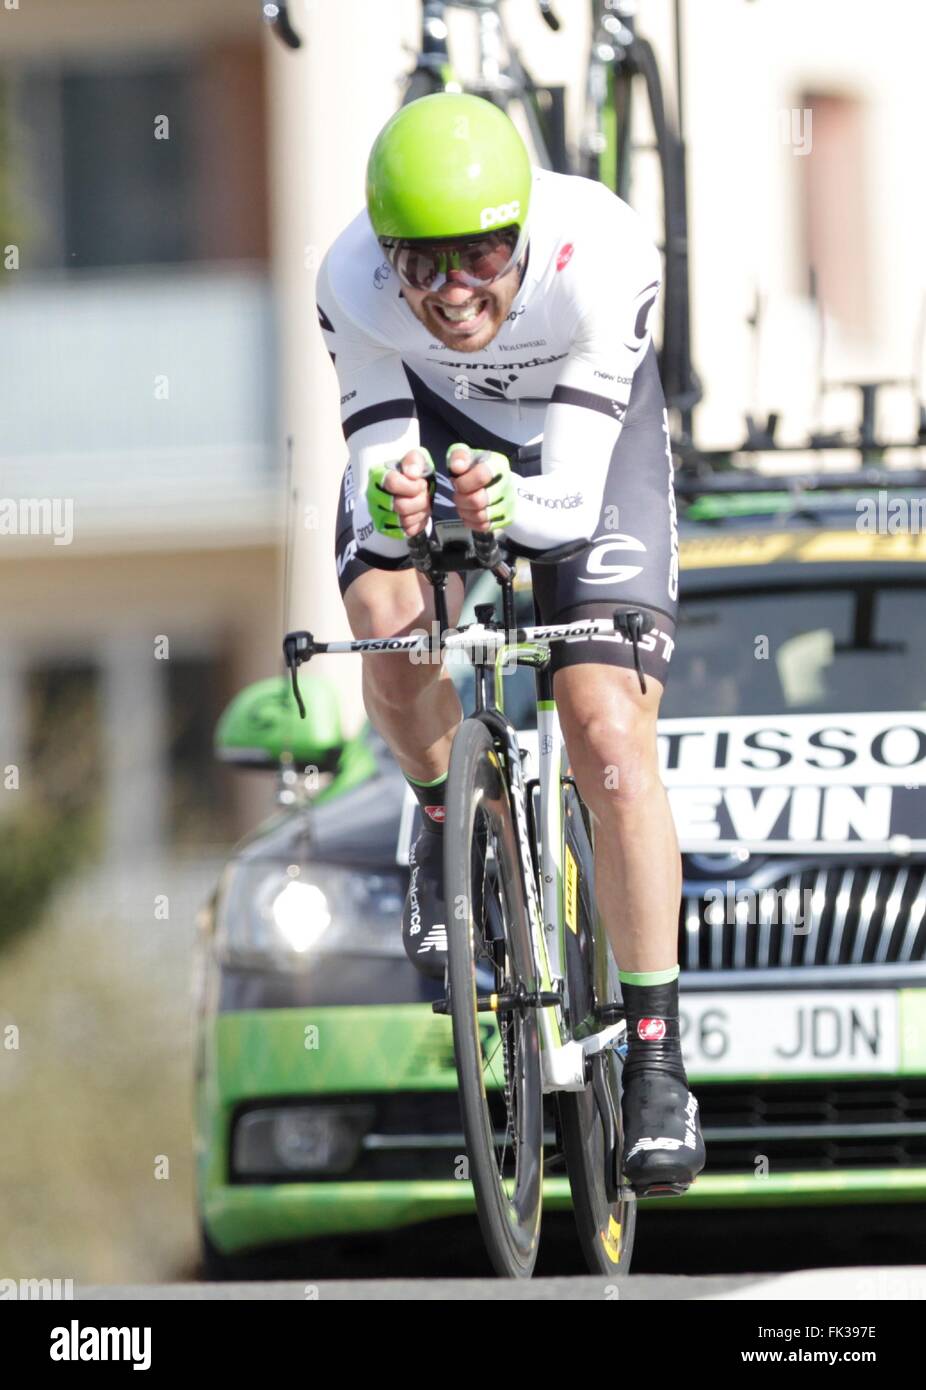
(448, 165)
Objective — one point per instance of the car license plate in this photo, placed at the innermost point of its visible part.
(785, 1033)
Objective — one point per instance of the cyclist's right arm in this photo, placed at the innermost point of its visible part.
(378, 414)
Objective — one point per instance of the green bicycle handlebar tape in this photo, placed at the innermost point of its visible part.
(381, 502)
(500, 490)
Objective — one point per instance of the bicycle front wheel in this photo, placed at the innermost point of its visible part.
(490, 959)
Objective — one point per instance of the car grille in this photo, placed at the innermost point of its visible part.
(814, 1125)
(814, 915)
(797, 1126)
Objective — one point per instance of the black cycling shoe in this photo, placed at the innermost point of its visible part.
(424, 917)
(663, 1145)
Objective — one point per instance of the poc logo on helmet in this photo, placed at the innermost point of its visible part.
(504, 213)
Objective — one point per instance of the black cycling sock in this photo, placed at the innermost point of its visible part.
(431, 800)
(653, 1041)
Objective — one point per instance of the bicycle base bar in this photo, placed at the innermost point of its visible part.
(478, 638)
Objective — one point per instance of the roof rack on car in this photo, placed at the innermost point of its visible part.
(704, 471)
(746, 480)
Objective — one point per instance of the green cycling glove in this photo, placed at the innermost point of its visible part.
(500, 490)
(382, 503)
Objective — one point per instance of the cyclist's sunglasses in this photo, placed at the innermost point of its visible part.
(477, 260)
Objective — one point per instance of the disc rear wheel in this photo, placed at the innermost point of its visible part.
(591, 1123)
(605, 1226)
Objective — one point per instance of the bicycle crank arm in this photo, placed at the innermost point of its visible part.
(605, 1104)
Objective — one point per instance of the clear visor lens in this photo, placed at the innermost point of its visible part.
(473, 261)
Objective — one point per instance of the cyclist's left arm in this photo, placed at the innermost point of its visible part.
(610, 298)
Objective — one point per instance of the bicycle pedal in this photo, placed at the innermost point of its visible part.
(662, 1189)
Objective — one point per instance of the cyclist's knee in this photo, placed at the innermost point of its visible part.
(384, 603)
(610, 732)
(387, 603)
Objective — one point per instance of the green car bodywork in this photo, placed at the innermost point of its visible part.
(262, 1055)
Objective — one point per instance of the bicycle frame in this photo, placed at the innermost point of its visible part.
(563, 1060)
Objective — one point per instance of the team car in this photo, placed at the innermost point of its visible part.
(793, 748)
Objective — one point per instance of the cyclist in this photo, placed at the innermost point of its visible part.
(477, 299)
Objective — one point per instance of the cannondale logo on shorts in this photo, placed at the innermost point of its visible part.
(604, 550)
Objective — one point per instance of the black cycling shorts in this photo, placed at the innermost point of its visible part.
(632, 557)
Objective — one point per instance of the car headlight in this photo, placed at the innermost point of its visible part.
(277, 1143)
(284, 915)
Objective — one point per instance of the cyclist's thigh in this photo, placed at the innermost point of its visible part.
(633, 555)
(383, 602)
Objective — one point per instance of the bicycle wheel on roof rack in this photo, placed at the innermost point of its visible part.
(614, 165)
(497, 1049)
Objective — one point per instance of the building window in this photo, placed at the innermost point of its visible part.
(144, 163)
(128, 195)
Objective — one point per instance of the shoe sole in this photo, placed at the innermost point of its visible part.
(660, 1189)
